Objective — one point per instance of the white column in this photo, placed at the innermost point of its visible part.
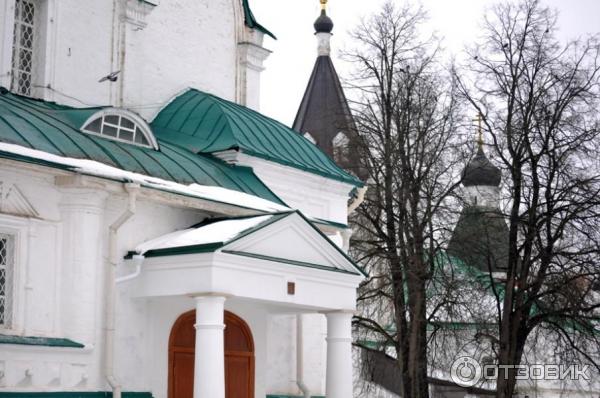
(209, 361)
(339, 355)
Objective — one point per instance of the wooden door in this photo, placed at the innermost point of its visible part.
(239, 357)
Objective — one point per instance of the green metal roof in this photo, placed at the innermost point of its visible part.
(251, 22)
(205, 123)
(40, 341)
(54, 128)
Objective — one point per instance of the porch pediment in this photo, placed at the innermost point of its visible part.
(255, 258)
(287, 238)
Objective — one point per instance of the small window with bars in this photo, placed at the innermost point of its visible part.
(6, 279)
(119, 125)
(23, 46)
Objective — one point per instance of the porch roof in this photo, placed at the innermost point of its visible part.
(227, 235)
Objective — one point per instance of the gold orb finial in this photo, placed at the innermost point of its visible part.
(323, 4)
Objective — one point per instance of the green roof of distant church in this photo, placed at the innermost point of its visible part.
(55, 129)
(205, 123)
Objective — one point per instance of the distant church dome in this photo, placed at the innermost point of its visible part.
(323, 24)
(480, 171)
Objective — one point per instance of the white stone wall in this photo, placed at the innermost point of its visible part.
(59, 284)
(282, 350)
(178, 44)
(187, 43)
(315, 196)
(60, 292)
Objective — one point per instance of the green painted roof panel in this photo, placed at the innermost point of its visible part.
(251, 22)
(39, 341)
(204, 123)
(54, 128)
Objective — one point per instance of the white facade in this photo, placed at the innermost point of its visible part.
(160, 50)
(60, 285)
(317, 197)
(72, 231)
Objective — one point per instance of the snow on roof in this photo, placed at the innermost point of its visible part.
(217, 232)
(94, 168)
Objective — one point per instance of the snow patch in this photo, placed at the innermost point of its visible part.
(217, 232)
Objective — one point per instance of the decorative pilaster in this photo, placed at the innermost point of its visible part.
(209, 361)
(339, 354)
(251, 57)
(82, 216)
(136, 12)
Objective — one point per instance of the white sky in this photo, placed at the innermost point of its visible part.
(294, 53)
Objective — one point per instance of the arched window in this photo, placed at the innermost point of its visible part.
(120, 125)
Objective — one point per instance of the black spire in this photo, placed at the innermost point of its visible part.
(324, 112)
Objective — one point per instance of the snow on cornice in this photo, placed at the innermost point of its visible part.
(97, 169)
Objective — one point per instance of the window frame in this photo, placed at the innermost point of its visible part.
(6, 316)
(139, 123)
(44, 49)
(18, 230)
(20, 24)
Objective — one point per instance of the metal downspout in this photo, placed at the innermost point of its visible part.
(138, 261)
(111, 290)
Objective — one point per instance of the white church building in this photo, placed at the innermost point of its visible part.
(158, 236)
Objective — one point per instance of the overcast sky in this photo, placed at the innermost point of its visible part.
(294, 53)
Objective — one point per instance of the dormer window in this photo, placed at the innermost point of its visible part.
(120, 125)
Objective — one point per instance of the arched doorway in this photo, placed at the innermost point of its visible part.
(239, 357)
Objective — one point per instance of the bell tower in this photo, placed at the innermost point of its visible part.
(480, 237)
(324, 116)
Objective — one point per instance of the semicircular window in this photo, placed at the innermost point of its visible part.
(120, 125)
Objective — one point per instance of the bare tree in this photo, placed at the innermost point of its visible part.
(407, 112)
(540, 101)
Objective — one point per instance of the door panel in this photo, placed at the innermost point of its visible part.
(183, 369)
(237, 376)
